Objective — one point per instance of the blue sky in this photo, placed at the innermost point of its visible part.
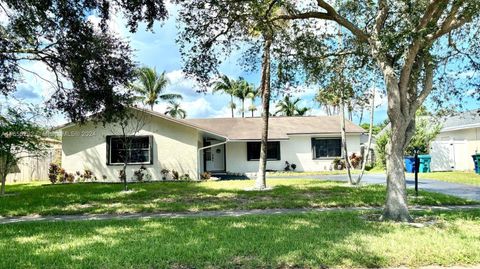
(158, 49)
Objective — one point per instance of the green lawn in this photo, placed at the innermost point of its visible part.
(330, 239)
(188, 196)
(469, 178)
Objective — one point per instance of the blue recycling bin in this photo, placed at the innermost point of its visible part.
(476, 161)
(424, 166)
(409, 164)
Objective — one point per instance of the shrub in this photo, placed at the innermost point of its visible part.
(338, 164)
(121, 175)
(69, 177)
(87, 174)
(165, 173)
(185, 177)
(293, 166)
(61, 175)
(205, 175)
(53, 172)
(175, 175)
(355, 160)
(141, 174)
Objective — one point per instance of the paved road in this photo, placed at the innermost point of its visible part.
(460, 190)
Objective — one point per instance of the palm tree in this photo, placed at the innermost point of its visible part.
(243, 91)
(151, 86)
(290, 108)
(227, 86)
(252, 108)
(175, 111)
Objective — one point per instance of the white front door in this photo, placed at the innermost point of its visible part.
(215, 158)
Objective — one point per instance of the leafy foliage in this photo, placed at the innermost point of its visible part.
(89, 63)
(151, 86)
(19, 137)
(289, 108)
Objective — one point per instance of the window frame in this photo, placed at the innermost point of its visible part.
(314, 150)
(279, 154)
(109, 150)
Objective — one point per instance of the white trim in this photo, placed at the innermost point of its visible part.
(461, 127)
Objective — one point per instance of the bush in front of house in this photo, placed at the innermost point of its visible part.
(355, 160)
(141, 174)
(338, 164)
(205, 175)
(53, 170)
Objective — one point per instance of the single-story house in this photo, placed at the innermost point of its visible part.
(457, 141)
(217, 145)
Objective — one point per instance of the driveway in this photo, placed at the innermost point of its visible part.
(460, 190)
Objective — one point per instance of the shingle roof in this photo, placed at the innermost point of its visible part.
(463, 120)
(279, 127)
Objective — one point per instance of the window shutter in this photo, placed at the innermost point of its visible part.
(150, 144)
(109, 138)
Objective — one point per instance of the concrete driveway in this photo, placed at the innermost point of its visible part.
(460, 190)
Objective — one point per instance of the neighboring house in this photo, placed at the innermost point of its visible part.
(219, 145)
(35, 167)
(458, 140)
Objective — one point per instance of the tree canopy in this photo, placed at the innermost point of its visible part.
(90, 64)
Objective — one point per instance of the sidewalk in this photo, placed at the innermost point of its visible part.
(235, 213)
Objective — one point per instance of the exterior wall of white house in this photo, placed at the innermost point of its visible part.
(297, 150)
(453, 150)
(174, 148)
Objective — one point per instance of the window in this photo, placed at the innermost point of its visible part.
(253, 151)
(326, 147)
(137, 149)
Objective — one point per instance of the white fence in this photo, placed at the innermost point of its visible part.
(451, 155)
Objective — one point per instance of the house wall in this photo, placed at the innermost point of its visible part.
(297, 150)
(455, 149)
(174, 148)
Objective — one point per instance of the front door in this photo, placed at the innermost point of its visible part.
(215, 158)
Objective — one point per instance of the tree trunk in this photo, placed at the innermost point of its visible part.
(369, 143)
(396, 207)
(243, 108)
(231, 104)
(344, 141)
(151, 107)
(124, 176)
(3, 174)
(252, 113)
(265, 89)
(4, 180)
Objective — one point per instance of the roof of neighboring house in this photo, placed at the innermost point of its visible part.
(279, 127)
(462, 120)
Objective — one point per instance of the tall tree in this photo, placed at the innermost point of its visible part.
(174, 110)
(20, 136)
(244, 90)
(151, 86)
(252, 108)
(290, 108)
(90, 64)
(216, 28)
(227, 86)
(408, 53)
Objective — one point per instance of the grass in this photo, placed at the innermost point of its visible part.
(328, 239)
(469, 178)
(69, 199)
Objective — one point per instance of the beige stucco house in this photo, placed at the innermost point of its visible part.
(457, 141)
(218, 145)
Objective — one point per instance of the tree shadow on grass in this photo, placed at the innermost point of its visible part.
(188, 197)
(248, 242)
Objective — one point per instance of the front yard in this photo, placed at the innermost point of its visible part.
(334, 239)
(47, 199)
(469, 178)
